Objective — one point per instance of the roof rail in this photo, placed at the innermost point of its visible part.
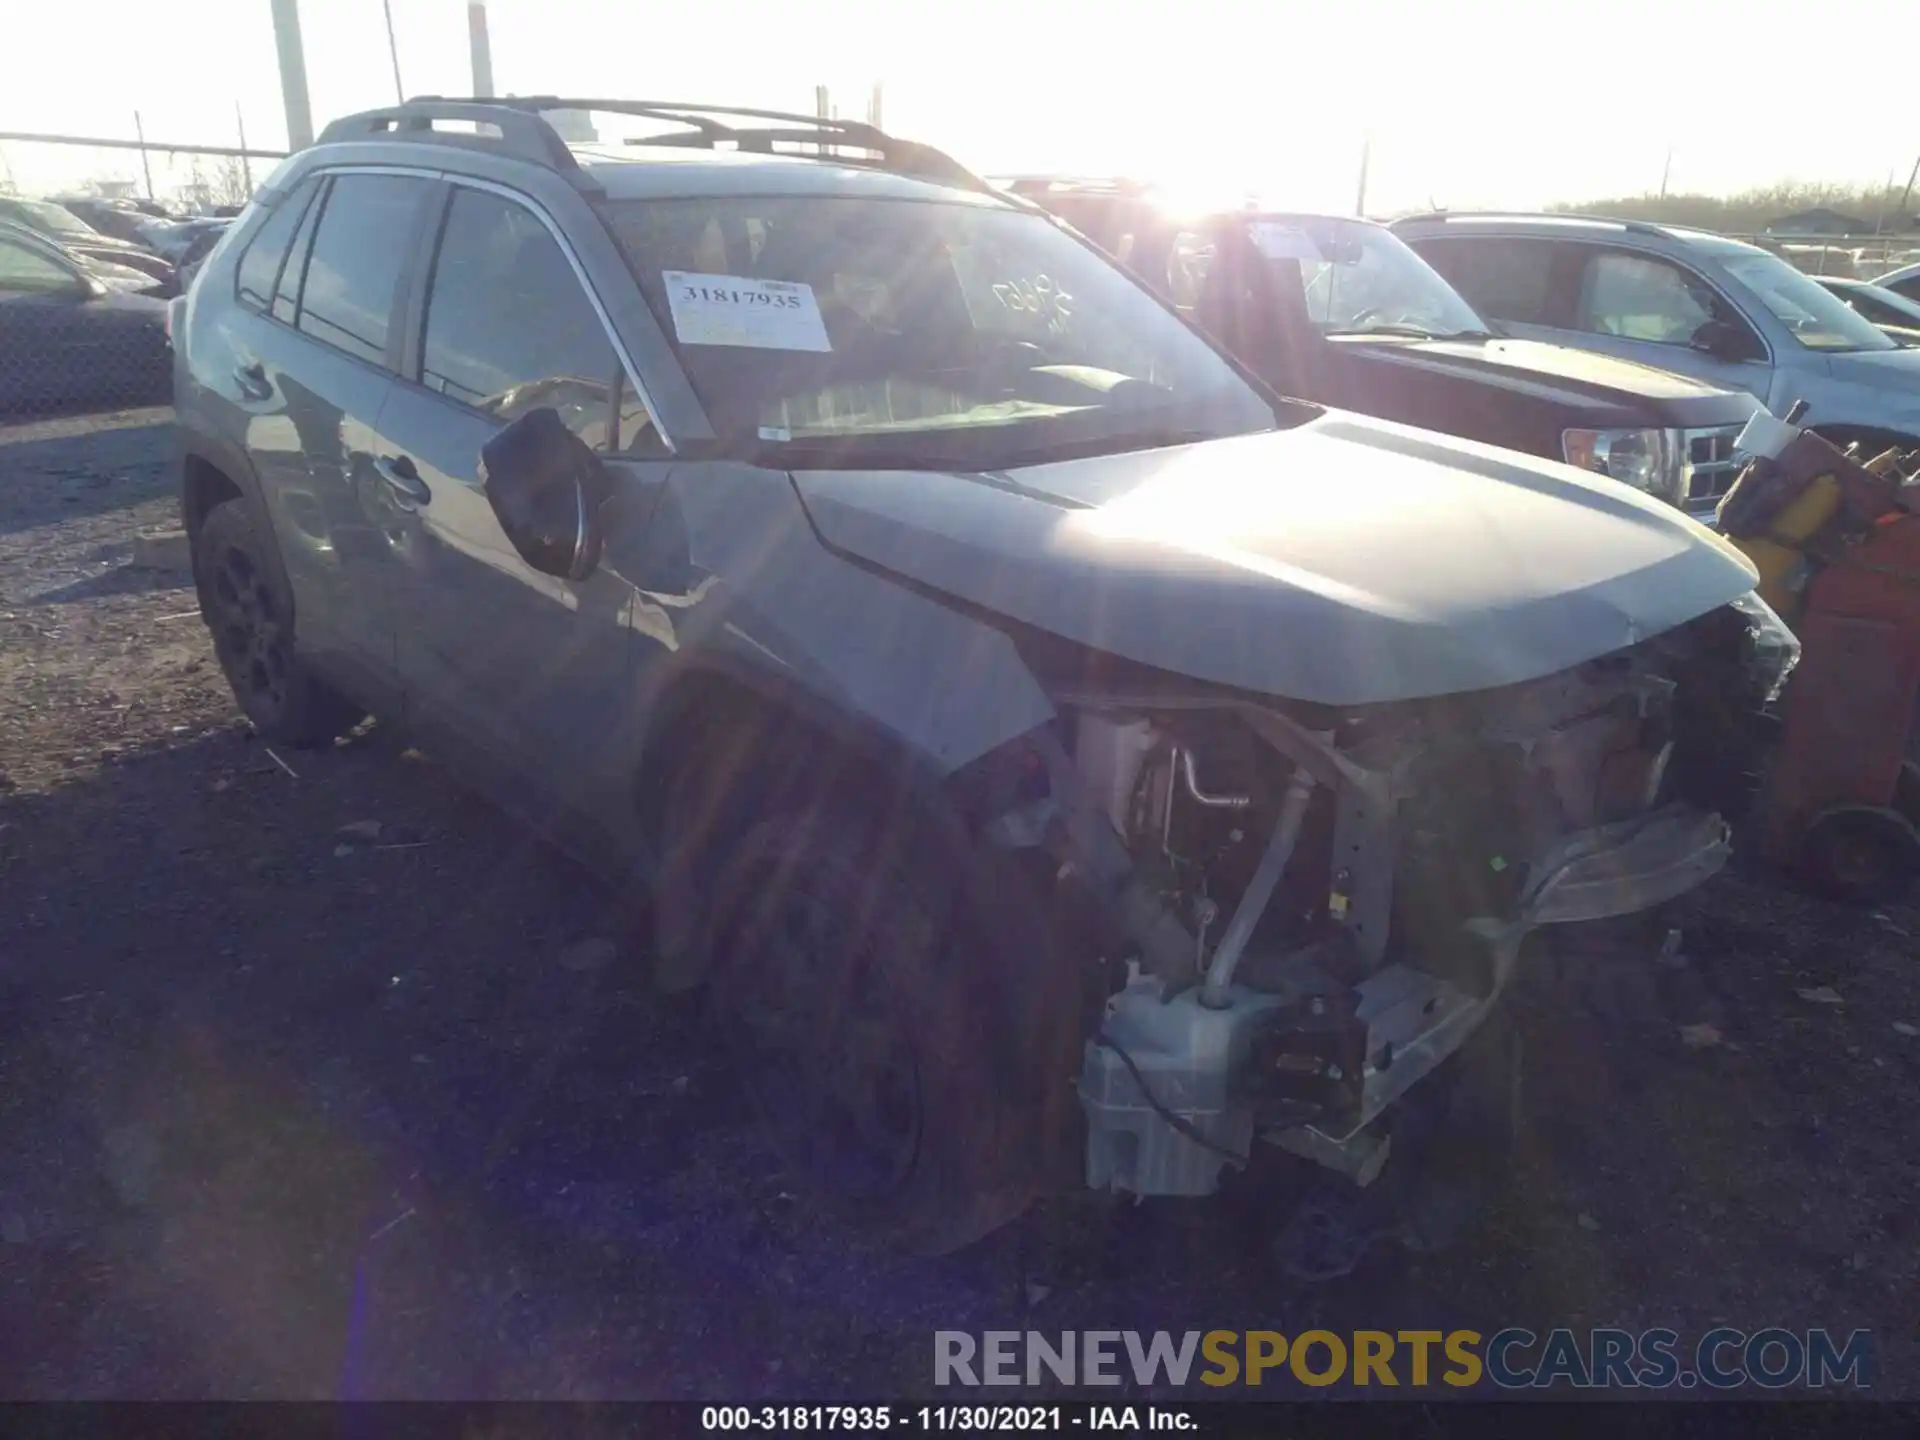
(1632, 227)
(524, 132)
(1115, 184)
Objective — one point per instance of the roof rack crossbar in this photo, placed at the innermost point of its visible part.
(525, 133)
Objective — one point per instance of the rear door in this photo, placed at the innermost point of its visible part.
(522, 679)
(317, 369)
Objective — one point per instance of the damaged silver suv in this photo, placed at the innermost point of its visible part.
(1060, 759)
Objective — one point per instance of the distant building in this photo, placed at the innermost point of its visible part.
(1819, 221)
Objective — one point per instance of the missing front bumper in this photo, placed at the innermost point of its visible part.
(1194, 1058)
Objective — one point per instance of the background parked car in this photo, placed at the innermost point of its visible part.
(61, 224)
(1340, 311)
(113, 218)
(173, 240)
(1720, 310)
(1903, 281)
(1896, 316)
(72, 337)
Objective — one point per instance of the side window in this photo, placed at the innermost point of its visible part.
(286, 294)
(25, 271)
(267, 251)
(1504, 279)
(510, 328)
(359, 249)
(1639, 297)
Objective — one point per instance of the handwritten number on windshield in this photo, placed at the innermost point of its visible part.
(1038, 297)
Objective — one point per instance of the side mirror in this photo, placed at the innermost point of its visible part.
(546, 487)
(1723, 340)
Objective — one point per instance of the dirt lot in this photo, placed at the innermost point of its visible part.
(291, 1112)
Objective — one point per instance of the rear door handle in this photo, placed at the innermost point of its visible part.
(403, 479)
(252, 380)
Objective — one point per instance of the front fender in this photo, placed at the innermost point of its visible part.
(767, 599)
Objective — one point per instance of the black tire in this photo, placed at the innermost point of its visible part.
(1859, 854)
(857, 988)
(251, 621)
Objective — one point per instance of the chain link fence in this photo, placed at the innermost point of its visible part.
(95, 238)
(1846, 257)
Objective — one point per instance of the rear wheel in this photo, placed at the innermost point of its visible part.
(252, 626)
(851, 988)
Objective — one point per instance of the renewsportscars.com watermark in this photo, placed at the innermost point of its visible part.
(1511, 1359)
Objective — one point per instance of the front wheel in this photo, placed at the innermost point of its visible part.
(848, 989)
(251, 622)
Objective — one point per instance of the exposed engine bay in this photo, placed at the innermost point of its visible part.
(1319, 908)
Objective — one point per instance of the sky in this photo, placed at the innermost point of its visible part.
(1466, 104)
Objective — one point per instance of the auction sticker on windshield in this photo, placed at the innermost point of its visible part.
(738, 310)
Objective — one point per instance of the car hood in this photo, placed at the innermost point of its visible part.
(1582, 382)
(1346, 561)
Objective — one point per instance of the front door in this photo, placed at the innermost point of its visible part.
(523, 679)
(1649, 310)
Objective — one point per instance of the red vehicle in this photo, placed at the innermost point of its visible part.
(1838, 546)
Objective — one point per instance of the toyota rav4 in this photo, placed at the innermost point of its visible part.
(1041, 741)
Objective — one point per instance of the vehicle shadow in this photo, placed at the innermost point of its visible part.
(299, 1110)
(61, 477)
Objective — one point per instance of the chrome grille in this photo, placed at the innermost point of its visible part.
(1715, 463)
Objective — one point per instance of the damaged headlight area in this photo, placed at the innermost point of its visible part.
(1655, 461)
(1771, 650)
(1307, 912)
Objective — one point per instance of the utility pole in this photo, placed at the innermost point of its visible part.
(145, 168)
(246, 161)
(1906, 219)
(393, 54)
(1665, 171)
(482, 49)
(293, 73)
(1366, 157)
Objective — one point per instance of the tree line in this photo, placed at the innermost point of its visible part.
(1750, 211)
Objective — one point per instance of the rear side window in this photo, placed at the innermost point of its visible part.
(510, 328)
(359, 250)
(267, 251)
(293, 274)
(1504, 279)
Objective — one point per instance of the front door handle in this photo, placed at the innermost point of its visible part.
(403, 479)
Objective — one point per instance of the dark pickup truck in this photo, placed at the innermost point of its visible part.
(1339, 311)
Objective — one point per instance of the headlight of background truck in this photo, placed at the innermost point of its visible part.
(1651, 460)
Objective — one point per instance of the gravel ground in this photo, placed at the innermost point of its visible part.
(288, 1110)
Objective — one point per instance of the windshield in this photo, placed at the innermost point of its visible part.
(906, 334)
(1818, 319)
(1359, 279)
(55, 219)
